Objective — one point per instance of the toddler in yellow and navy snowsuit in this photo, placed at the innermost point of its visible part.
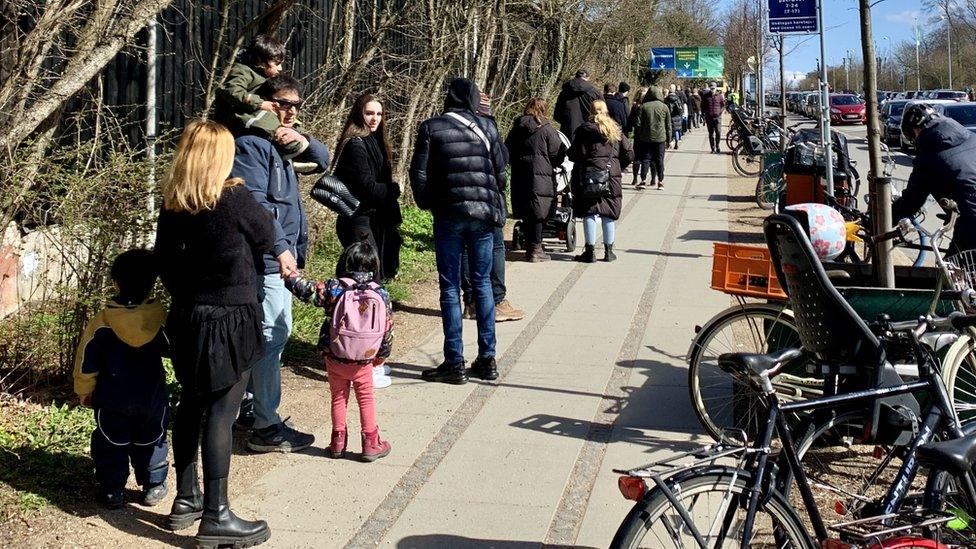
(119, 373)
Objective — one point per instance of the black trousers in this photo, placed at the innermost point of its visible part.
(206, 422)
(533, 230)
(119, 439)
(649, 159)
(657, 161)
(714, 124)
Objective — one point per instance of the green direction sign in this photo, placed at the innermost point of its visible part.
(711, 63)
(686, 62)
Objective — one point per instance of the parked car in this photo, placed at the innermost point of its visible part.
(846, 109)
(948, 94)
(811, 107)
(964, 113)
(890, 115)
(907, 145)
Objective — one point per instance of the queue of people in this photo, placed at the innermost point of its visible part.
(232, 240)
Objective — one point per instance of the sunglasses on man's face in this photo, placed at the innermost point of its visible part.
(286, 104)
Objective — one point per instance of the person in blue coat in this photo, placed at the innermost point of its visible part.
(274, 184)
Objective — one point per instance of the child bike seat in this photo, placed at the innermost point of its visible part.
(955, 457)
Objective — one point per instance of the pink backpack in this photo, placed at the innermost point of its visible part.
(358, 322)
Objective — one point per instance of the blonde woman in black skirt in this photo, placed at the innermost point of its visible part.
(208, 234)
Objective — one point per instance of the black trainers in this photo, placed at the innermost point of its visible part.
(112, 499)
(485, 368)
(279, 438)
(152, 495)
(244, 423)
(446, 373)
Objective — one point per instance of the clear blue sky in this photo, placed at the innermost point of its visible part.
(891, 18)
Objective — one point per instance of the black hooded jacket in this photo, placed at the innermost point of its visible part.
(451, 172)
(573, 105)
(536, 149)
(944, 167)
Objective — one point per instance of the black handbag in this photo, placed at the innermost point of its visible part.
(596, 183)
(332, 193)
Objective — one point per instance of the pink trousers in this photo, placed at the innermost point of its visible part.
(360, 377)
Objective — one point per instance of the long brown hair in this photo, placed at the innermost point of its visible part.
(537, 109)
(356, 125)
(607, 126)
(201, 167)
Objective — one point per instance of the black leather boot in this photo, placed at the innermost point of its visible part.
(188, 505)
(220, 526)
(446, 373)
(588, 255)
(608, 254)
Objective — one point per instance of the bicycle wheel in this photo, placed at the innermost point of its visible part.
(942, 493)
(769, 185)
(959, 374)
(714, 502)
(747, 165)
(718, 400)
(732, 139)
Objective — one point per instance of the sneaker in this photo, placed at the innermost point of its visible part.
(380, 379)
(446, 373)
(279, 438)
(504, 312)
(244, 423)
(113, 499)
(386, 369)
(152, 495)
(485, 368)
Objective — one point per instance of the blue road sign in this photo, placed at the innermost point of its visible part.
(662, 59)
(793, 16)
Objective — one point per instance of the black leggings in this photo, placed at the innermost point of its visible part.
(533, 230)
(211, 415)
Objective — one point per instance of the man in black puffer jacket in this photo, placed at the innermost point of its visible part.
(458, 172)
(944, 167)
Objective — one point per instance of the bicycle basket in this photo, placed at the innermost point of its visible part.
(962, 267)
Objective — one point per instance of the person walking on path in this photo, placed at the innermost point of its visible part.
(600, 149)
(209, 234)
(652, 131)
(458, 173)
(696, 107)
(713, 105)
(623, 93)
(616, 106)
(574, 103)
(535, 149)
(364, 163)
(639, 98)
(356, 338)
(274, 184)
(676, 107)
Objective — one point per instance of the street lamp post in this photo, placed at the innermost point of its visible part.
(918, 66)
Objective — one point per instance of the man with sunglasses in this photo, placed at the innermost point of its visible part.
(274, 184)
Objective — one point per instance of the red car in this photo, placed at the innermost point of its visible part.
(846, 109)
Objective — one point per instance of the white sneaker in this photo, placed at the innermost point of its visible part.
(380, 379)
(386, 369)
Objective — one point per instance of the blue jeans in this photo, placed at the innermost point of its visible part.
(451, 238)
(497, 271)
(265, 382)
(589, 229)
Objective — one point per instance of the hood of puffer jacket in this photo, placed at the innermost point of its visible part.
(654, 93)
(462, 95)
(941, 133)
(135, 325)
(528, 124)
(577, 85)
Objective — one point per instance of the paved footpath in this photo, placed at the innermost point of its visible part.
(592, 379)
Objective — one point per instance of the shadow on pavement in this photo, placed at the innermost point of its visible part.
(723, 236)
(730, 198)
(444, 540)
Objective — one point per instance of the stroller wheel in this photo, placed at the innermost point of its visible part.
(517, 237)
(571, 235)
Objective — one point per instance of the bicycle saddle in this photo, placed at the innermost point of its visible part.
(749, 366)
(952, 456)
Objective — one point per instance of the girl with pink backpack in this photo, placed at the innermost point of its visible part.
(355, 338)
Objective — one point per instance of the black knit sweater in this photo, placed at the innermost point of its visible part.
(209, 257)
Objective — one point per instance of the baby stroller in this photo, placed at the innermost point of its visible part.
(560, 225)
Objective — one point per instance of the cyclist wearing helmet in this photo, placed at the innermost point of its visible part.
(944, 167)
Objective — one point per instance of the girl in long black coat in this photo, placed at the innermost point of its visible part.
(363, 163)
(534, 149)
(597, 143)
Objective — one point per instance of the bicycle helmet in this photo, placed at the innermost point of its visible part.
(825, 227)
(916, 115)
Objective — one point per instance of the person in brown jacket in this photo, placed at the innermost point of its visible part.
(599, 145)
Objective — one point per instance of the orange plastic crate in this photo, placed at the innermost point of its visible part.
(745, 270)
